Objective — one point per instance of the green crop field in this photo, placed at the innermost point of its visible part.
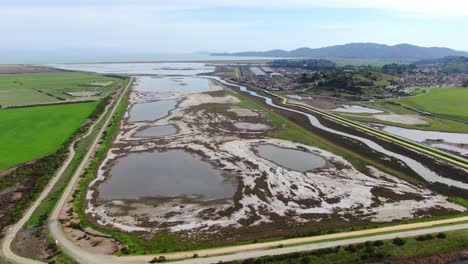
(449, 102)
(33, 132)
(37, 88)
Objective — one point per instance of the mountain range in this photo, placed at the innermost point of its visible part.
(357, 51)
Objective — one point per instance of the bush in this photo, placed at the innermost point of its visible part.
(378, 243)
(195, 255)
(398, 242)
(441, 235)
(425, 237)
(351, 248)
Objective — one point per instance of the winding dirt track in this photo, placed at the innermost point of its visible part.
(208, 255)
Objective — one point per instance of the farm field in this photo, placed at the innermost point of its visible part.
(450, 102)
(39, 88)
(33, 132)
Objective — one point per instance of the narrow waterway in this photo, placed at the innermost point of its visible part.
(416, 166)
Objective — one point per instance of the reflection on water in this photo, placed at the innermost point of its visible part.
(290, 158)
(151, 111)
(164, 174)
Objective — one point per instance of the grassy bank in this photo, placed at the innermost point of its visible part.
(377, 251)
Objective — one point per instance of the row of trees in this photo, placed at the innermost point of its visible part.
(309, 64)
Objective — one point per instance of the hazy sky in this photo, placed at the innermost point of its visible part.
(182, 26)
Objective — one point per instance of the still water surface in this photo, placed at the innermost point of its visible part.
(165, 174)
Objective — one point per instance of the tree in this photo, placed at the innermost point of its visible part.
(465, 83)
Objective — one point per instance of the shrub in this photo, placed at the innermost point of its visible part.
(441, 235)
(195, 255)
(351, 248)
(425, 237)
(398, 242)
(378, 243)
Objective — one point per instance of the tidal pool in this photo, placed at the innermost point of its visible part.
(151, 111)
(290, 158)
(165, 174)
(157, 131)
(172, 84)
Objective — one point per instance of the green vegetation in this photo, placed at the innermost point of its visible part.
(38, 88)
(310, 64)
(34, 132)
(418, 91)
(372, 63)
(449, 102)
(374, 251)
(397, 69)
(359, 81)
(450, 65)
(45, 208)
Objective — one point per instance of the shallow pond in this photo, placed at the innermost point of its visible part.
(161, 174)
(151, 111)
(157, 131)
(251, 126)
(357, 109)
(421, 135)
(290, 158)
(172, 84)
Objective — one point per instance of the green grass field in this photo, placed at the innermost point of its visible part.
(37, 88)
(33, 132)
(449, 102)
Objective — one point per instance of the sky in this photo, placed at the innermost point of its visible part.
(106, 29)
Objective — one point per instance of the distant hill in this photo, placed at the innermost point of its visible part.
(358, 51)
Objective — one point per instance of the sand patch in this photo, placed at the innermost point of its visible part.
(242, 111)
